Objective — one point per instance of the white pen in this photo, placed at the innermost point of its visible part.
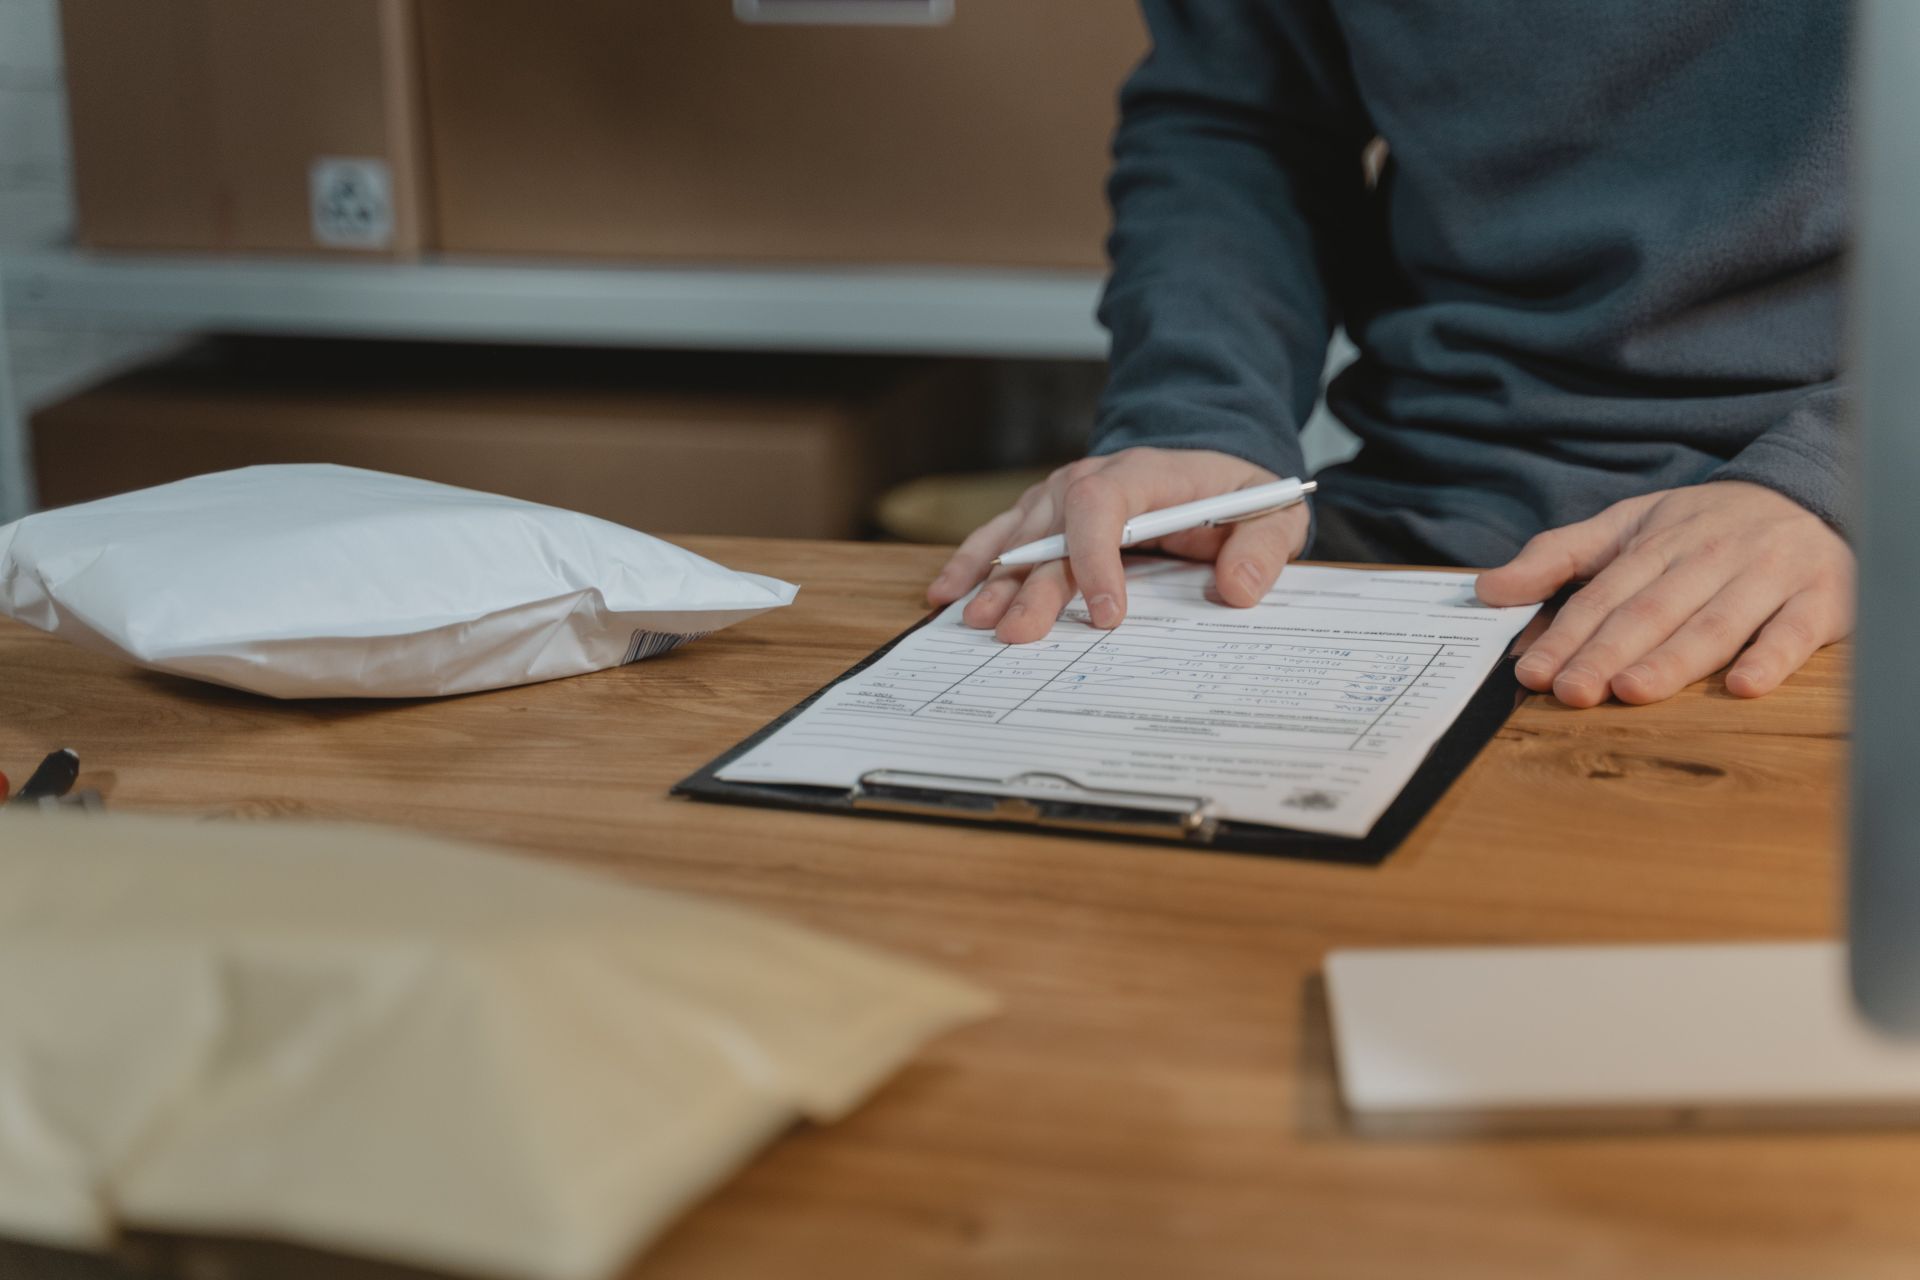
(1241, 504)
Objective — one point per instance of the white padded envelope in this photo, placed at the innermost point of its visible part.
(317, 581)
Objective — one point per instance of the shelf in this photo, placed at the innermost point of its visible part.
(893, 311)
(1033, 314)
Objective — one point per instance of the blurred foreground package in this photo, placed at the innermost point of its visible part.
(395, 1047)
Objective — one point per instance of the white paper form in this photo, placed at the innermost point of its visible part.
(1310, 710)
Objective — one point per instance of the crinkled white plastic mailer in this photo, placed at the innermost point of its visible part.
(321, 581)
(394, 1046)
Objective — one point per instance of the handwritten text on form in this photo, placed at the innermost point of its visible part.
(1310, 710)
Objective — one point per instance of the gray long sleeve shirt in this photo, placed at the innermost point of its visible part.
(1602, 259)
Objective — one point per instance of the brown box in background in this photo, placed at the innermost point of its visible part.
(246, 125)
(670, 445)
(670, 129)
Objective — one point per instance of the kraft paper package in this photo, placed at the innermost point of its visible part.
(393, 1046)
(317, 581)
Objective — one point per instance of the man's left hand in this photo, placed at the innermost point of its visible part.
(1681, 582)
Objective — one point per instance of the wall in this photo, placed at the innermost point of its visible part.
(36, 208)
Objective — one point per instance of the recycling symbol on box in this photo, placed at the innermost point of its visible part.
(352, 202)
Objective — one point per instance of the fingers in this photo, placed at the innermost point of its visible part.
(1037, 605)
(1089, 502)
(1694, 598)
(1004, 586)
(1034, 519)
(1097, 508)
(1702, 644)
(1581, 617)
(1201, 544)
(1694, 574)
(1803, 625)
(969, 564)
(986, 608)
(1254, 554)
(1559, 556)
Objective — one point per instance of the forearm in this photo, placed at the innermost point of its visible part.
(1236, 178)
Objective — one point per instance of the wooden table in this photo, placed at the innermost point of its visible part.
(1156, 1100)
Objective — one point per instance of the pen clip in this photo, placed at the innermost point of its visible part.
(1250, 515)
(1305, 489)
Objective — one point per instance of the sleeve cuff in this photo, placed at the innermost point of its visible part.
(1789, 468)
(1275, 448)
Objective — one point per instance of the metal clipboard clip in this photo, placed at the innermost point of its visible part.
(1039, 798)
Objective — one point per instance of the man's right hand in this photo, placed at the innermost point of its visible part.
(1090, 501)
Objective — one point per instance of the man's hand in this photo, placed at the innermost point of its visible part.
(1681, 581)
(1090, 500)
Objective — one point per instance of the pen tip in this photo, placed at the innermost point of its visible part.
(995, 564)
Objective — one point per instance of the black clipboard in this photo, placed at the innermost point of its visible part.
(1138, 817)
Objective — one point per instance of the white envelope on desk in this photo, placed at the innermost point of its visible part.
(393, 1046)
(316, 581)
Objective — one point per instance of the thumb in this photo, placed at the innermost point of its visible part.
(1254, 554)
(1552, 559)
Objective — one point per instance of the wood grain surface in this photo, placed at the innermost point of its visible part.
(1156, 1099)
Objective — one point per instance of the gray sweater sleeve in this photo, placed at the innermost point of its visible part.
(1808, 456)
(1236, 177)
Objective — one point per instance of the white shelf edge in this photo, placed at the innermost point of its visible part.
(1012, 313)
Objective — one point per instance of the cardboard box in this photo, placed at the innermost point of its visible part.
(670, 444)
(674, 130)
(237, 125)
